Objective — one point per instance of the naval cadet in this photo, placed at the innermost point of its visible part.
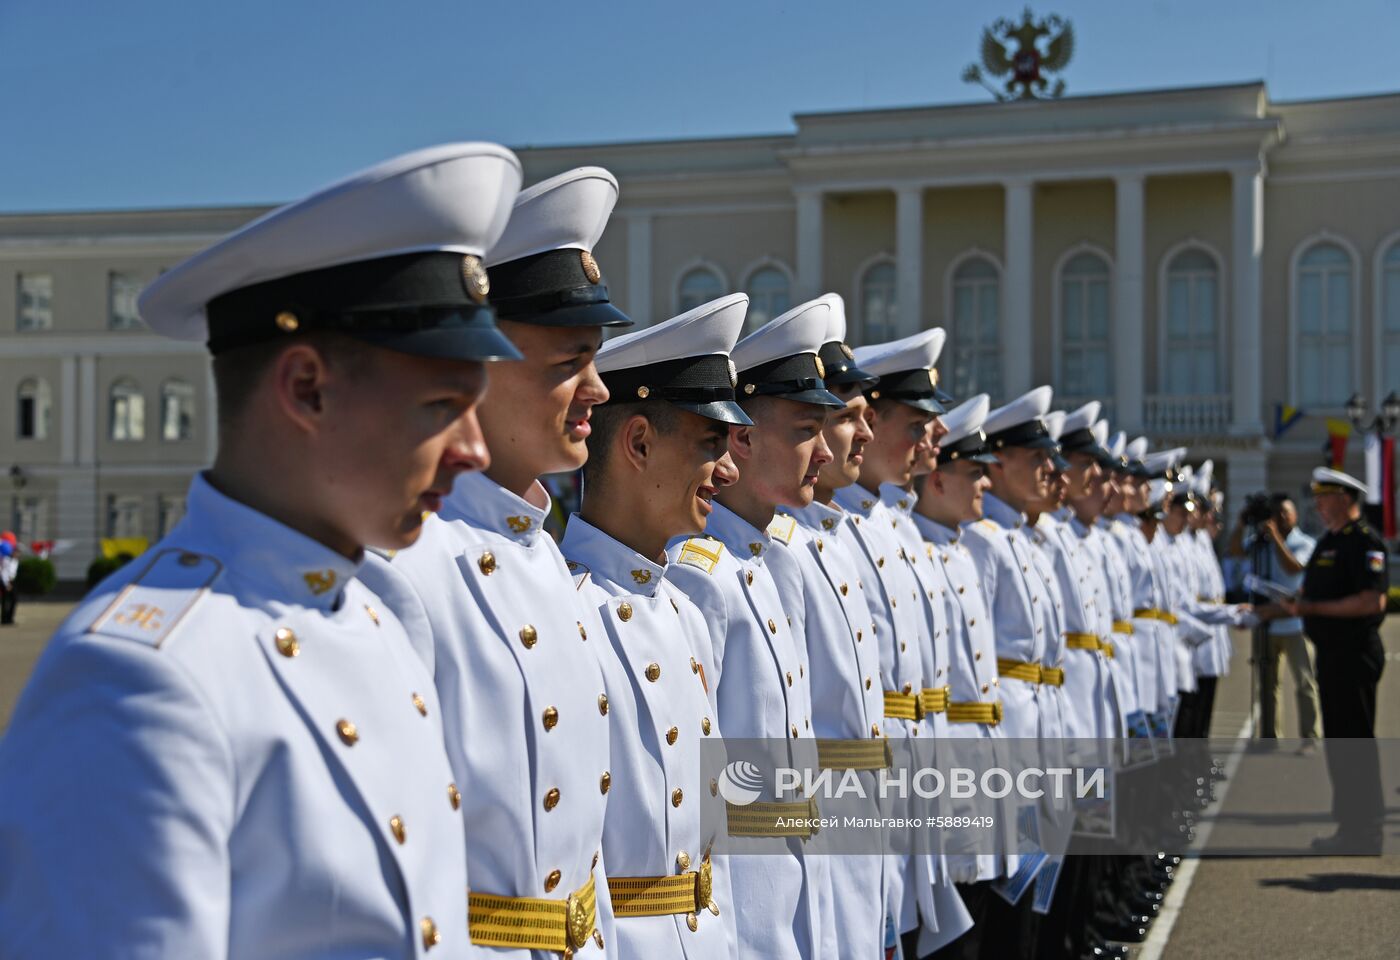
(230, 748)
(1343, 603)
(760, 674)
(658, 455)
(814, 566)
(511, 634)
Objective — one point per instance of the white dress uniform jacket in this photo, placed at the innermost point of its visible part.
(229, 749)
(761, 692)
(1157, 664)
(511, 647)
(1181, 586)
(1104, 571)
(657, 668)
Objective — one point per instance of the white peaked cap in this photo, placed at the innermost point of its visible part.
(1163, 460)
(1157, 490)
(1032, 405)
(1205, 474)
(1055, 423)
(801, 330)
(709, 329)
(1100, 432)
(1327, 477)
(836, 319)
(1082, 418)
(1117, 446)
(966, 418)
(919, 351)
(567, 212)
(452, 198)
(1136, 449)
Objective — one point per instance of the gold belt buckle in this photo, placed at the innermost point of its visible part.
(579, 926)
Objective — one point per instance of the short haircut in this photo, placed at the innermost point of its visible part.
(239, 372)
(608, 419)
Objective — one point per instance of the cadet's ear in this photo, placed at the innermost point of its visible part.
(637, 439)
(740, 443)
(298, 382)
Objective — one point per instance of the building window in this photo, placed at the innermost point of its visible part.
(172, 510)
(1086, 366)
(878, 307)
(1324, 303)
(176, 410)
(770, 295)
(976, 332)
(127, 411)
(35, 408)
(699, 285)
(1192, 329)
(124, 515)
(29, 519)
(1390, 319)
(35, 306)
(122, 291)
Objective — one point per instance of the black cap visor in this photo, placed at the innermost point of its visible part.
(725, 411)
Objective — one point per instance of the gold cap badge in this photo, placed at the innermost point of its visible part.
(590, 266)
(474, 279)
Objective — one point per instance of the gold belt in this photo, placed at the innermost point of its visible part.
(975, 712)
(1082, 641)
(902, 706)
(1152, 613)
(853, 754)
(1055, 676)
(1107, 647)
(688, 892)
(533, 923)
(933, 699)
(1019, 670)
(1122, 626)
(762, 819)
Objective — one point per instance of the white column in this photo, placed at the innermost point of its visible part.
(909, 259)
(89, 410)
(809, 244)
(1127, 333)
(1248, 473)
(68, 410)
(1246, 251)
(1016, 332)
(639, 268)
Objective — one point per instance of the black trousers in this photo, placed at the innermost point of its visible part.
(1205, 704)
(8, 598)
(1000, 930)
(1348, 670)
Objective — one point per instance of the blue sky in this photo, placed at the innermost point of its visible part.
(150, 103)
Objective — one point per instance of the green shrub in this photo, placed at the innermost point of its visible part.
(103, 567)
(36, 576)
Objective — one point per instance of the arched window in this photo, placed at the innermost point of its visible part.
(879, 312)
(976, 329)
(770, 295)
(1086, 362)
(1389, 283)
(699, 285)
(1192, 361)
(127, 411)
(35, 408)
(1324, 306)
(176, 410)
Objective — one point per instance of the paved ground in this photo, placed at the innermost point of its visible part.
(1240, 907)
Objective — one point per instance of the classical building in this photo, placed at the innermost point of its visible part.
(1192, 257)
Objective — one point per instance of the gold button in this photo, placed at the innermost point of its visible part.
(714, 908)
(347, 732)
(772, 627)
(624, 611)
(603, 704)
(714, 787)
(977, 655)
(694, 666)
(705, 725)
(373, 614)
(528, 636)
(582, 633)
(961, 589)
(858, 636)
(287, 321)
(986, 687)
(692, 921)
(794, 731)
(903, 646)
(594, 865)
(867, 683)
(972, 622)
(748, 577)
(287, 642)
(653, 671)
(598, 937)
(682, 861)
(551, 718)
(908, 689)
(396, 828)
(675, 608)
(880, 562)
(420, 703)
(605, 782)
(874, 729)
(552, 881)
(431, 936)
(487, 563)
(844, 589)
(819, 544)
(551, 799)
(789, 678)
(454, 796)
(672, 735)
(676, 796)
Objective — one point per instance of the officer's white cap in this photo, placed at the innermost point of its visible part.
(1163, 460)
(1118, 445)
(709, 329)
(965, 419)
(919, 351)
(1205, 473)
(1327, 480)
(1136, 449)
(1055, 423)
(1082, 418)
(1021, 422)
(801, 330)
(836, 318)
(1100, 432)
(566, 212)
(451, 198)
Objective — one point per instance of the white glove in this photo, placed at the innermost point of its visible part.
(961, 868)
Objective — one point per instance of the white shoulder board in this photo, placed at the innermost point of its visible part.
(152, 605)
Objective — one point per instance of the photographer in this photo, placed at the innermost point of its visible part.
(1268, 538)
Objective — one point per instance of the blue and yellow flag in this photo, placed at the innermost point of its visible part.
(1284, 417)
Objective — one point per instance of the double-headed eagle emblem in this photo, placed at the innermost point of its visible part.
(1026, 66)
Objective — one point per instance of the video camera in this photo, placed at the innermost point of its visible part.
(1258, 507)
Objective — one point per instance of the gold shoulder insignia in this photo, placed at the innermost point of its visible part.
(988, 524)
(782, 527)
(151, 606)
(700, 553)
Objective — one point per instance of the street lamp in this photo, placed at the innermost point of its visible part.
(1384, 422)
